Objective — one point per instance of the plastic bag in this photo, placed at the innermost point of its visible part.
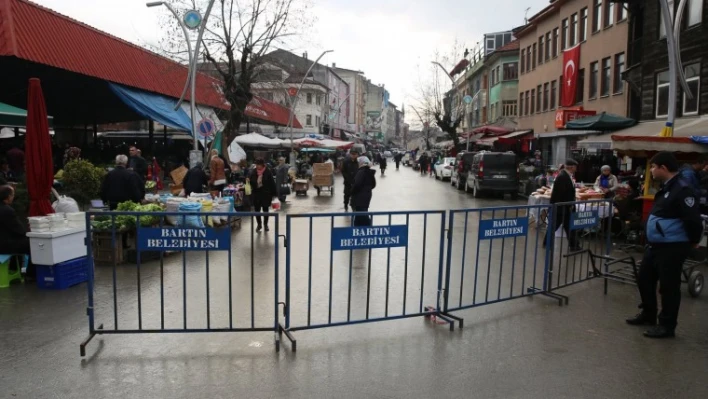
(193, 220)
(248, 188)
(65, 205)
(275, 204)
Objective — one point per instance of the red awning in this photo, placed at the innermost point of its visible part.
(268, 111)
(492, 130)
(459, 68)
(37, 34)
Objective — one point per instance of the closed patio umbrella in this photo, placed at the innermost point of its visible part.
(38, 152)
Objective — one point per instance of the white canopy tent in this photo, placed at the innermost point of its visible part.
(257, 140)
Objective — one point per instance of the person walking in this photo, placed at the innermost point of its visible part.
(563, 193)
(423, 164)
(383, 164)
(398, 159)
(121, 185)
(282, 179)
(217, 172)
(264, 190)
(673, 227)
(195, 180)
(350, 167)
(362, 191)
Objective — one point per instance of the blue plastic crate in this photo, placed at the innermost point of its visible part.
(62, 275)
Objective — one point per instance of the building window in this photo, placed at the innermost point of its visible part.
(564, 35)
(609, 14)
(554, 90)
(596, 15)
(606, 76)
(583, 33)
(528, 58)
(621, 12)
(511, 71)
(573, 29)
(539, 96)
(533, 55)
(662, 94)
(509, 108)
(533, 101)
(267, 95)
(618, 86)
(695, 12)
(521, 103)
(528, 103)
(523, 57)
(309, 98)
(555, 42)
(545, 97)
(547, 54)
(594, 75)
(318, 100)
(540, 50)
(308, 120)
(580, 88)
(693, 78)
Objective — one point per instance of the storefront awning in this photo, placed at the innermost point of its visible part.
(683, 127)
(153, 106)
(567, 133)
(15, 117)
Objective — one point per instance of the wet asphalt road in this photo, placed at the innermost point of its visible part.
(521, 348)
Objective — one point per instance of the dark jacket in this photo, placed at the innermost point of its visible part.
(139, 166)
(563, 189)
(364, 183)
(349, 170)
(12, 233)
(268, 190)
(675, 216)
(195, 180)
(383, 163)
(121, 185)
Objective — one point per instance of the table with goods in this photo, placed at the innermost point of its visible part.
(539, 214)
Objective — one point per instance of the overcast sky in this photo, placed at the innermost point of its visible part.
(390, 40)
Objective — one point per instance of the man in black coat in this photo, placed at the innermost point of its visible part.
(138, 164)
(121, 185)
(195, 180)
(349, 168)
(263, 191)
(563, 192)
(13, 239)
(362, 191)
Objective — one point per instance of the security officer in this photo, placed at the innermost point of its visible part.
(674, 226)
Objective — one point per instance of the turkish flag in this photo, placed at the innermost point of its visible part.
(571, 63)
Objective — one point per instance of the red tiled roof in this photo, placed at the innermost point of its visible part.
(37, 34)
(511, 46)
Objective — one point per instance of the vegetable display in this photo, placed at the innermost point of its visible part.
(128, 222)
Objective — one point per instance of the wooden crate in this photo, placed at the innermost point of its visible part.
(322, 181)
(322, 169)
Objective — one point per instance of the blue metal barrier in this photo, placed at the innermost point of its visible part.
(216, 294)
(493, 255)
(579, 232)
(365, 267)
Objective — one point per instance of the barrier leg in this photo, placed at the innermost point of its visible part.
(82, 347)
(289, 335)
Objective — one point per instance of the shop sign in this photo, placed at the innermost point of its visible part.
(350, 238)
(183, 239)
(584, 220)
(563, 116)
(502, 228)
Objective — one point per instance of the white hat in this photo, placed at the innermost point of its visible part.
(363, 161)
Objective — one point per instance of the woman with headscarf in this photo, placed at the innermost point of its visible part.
(364, 184)
(217, 171)
(264, 190)
(606, 182)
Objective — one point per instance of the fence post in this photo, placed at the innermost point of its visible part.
(441, 269)
(448, 260)
(549, 241)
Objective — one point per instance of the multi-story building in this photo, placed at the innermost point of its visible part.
(600, 29)
(647, 63)
(376, 102)
(331, 120)
(390, 122)
(503, 81)
(356, 106)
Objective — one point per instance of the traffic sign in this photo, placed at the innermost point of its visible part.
(193, 19)
(467, 99)
(205, 127)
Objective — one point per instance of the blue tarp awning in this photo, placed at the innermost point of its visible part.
(154, 106)
(700, 139)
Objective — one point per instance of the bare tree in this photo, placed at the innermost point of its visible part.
(436, 97)
(238, 35)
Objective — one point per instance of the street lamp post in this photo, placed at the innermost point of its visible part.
(195, 155)
(294, 102)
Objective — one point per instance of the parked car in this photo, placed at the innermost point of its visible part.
(406, 160)
(463, 163)
(493, 172)
(443, 169)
